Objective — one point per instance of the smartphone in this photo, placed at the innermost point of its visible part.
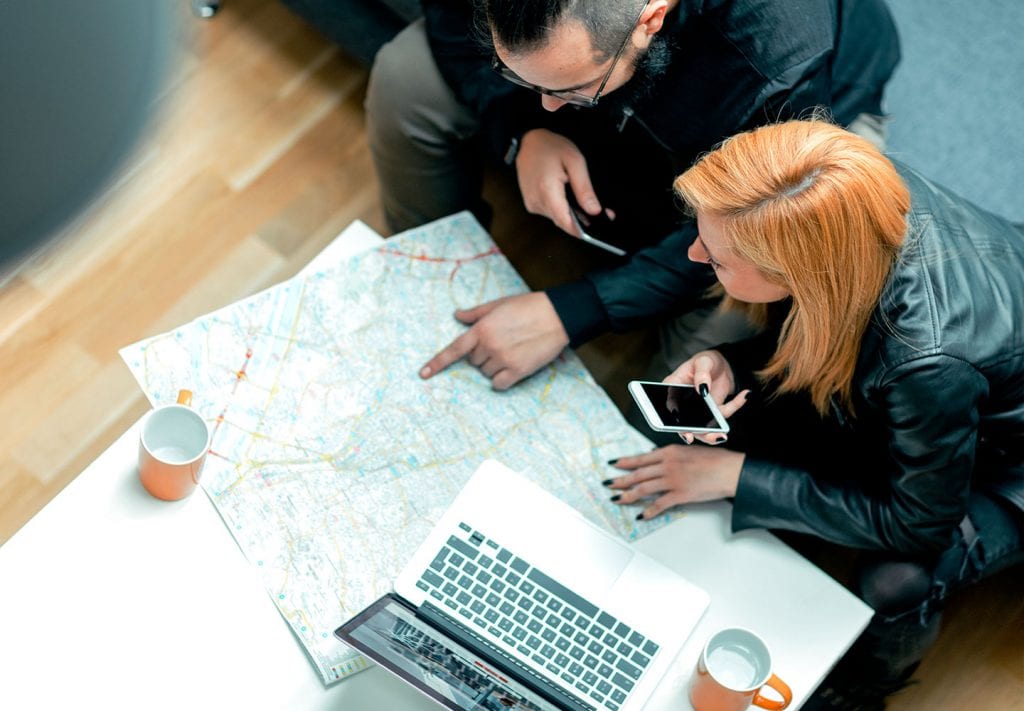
(589, 225)
(677, 408)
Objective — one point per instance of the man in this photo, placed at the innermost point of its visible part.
(630, 93)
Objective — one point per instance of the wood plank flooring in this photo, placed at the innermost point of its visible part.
(259, 158)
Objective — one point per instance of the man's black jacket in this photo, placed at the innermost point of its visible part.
(735, 64)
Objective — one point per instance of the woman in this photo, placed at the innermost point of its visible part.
(894, 315)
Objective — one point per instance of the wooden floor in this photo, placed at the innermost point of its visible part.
(258, 160)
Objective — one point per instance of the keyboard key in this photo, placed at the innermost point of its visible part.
(554, 605)
(492, 544)
(505, 624)
(438, 562)
(568, 613)
(567, 630)
(470, 568)
(485, 561)
(562, 643)
(477, 607)
(497, 585)
(506, 608)
(479, 590)
(636, 639)
(525, 603)
(504, 555)
(493, 600)
(628, 669)
(590, 662)
(548, 634)
(451, 573)
(494, 631)
(582, 622)
(575, 669)
(422, 585)
(576, 653)
(622, 629)
(611, 640)
(456, 560)
(462, 547)
(582, 687)
(603, 686)
(568, 678)
(484, 577)
(540, 596)
(433, 578)
(650, 648)
(521, 617)
(465, 582)
(609, 656)
(519, 565)
(595, 647)
(618, 696)
(519, 633)
(534, 626)
(590, 678)
(597, 630)
(491, 615)
(476, 539)
(581, 639)
(450, 589)
(511, 594)
(553, 668)
(512, 579)
(604, 670)
(624, 649)
(562, 592)
(479, 622)
(463, 598)
(641, 659)
(526, 586)
(539, 612)
(533, 642)
(607, 620)
(548, 651)
(499, 570)
(464, 526)
(623, 682)
(561, 660)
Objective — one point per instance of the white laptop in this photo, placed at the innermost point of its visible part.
(515, 600)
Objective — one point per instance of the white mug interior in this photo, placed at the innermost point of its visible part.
(738, 659)
(175, 434)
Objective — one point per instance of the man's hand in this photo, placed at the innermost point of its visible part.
(546, 162)
(509, 339)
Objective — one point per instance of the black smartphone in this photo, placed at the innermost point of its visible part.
(598, 230)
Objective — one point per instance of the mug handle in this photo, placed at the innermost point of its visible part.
(781, 688)
(185, 397)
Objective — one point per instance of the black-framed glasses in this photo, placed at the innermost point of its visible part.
(570, 96)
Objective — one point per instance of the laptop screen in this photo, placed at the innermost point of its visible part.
(390, 633)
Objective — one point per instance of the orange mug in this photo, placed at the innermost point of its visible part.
(733, 668)
(172, 449)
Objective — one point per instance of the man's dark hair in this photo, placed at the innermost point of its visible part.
(524, 25)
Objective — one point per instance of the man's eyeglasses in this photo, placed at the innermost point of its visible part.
(570, 96)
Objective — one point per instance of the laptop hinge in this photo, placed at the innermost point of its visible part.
(509, 665)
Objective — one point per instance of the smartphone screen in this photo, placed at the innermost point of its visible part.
(678, 407)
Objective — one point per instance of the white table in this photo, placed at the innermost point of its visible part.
(110, 598)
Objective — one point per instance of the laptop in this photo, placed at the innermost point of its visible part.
(515, 600)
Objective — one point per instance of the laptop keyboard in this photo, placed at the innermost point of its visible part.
(510, 600)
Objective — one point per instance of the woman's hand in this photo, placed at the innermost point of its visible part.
(710, 369)
(675, 475)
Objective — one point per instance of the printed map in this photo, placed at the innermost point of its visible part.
(331, 458)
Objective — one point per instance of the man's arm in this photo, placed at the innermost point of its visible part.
(656, 282)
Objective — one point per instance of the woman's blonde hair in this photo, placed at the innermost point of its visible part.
(821, 212)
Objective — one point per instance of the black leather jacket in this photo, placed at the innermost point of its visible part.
(939, 393)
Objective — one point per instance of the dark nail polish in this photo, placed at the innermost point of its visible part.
(616, 497)
(721, 438)
(703, 389)
(640, 516)
(611, 462)
(607, 482)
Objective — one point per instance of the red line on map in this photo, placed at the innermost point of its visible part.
(458, 262)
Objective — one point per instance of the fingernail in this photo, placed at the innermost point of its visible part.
(592, 205)
(721, 438)
(703, 389)
(425, 372)
(616, 497)
(640, 516)
(611, 462)
(607, 482)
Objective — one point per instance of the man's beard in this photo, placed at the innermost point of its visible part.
(648, 69)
